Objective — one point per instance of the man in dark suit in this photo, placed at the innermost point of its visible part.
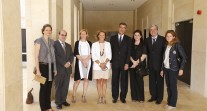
(120, 45)
(154, 49)
(64, 58)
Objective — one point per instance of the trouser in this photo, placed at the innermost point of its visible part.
(171, 82)
(45, 89)
(61, 88)
(156, 85)
(136, 85)
(119, 74)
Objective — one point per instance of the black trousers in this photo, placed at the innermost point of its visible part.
(171, 82)
(45, 89)
(136, 85)
(119, 74)
(156, 85)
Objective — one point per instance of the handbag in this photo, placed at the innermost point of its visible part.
(141, 69)
(29, 99)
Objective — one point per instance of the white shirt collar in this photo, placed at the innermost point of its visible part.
(121, 35)
(154, 37)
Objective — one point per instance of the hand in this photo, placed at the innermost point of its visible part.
(135, 63)
(67, 64)
(161, 73)
(103, 66)
(133, 66)
(38, 74)
(126, 66)
(55, 73)
(180, 73)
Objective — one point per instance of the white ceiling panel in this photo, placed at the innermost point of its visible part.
(112, 5)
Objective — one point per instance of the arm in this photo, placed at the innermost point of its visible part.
(128, 51)
(71, 56)
(36, 51)
(183, 56)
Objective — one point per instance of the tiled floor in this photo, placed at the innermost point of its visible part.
(187, 100)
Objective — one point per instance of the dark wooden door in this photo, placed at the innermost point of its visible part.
(184, 31)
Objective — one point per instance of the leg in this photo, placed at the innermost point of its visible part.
(85, 87)
(104, 87)
(168, 85)
(75, 87)
(173, 88)
(65, 87)
(115, 83)
(140, 87)
(58, 89)
(152, 85)
(99, 86)
(133, 84)
(124, 85)
(48, 94)
(160, 87)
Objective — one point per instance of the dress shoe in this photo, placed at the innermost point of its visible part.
(158, 102)
(151, 100)
(59, 106)
(123, 100)
(66, 104)
(114, 101)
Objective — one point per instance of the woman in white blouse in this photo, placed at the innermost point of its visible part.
(101, 56)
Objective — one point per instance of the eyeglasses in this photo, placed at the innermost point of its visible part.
(63, 35)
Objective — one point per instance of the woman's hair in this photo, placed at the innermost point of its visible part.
(141, 39)
(82, 30)
(98, 33)
(175, 40)
(45, 26)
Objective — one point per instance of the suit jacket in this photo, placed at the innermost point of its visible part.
(120, 53)
(96, 54)
(62, 57)
(155, 52)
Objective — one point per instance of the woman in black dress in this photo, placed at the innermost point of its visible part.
(83, 65)
(136, 81)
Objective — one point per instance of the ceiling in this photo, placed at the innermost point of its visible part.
(112, 5)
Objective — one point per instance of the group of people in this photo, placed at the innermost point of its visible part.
(163, 56)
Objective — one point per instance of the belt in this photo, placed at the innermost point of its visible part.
(43, 63)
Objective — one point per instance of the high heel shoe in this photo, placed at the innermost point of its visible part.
(73, 99)
(99, 100)
(84, 99)
(103, 100)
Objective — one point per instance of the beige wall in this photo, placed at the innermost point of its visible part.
(165, 13)
(108, 21)
(11, 90)
(199, 49)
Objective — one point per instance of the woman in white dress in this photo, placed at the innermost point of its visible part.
(83, 69)
(101, 56)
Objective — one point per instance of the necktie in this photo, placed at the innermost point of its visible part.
(63, 45)
(153, 41)
(120, 39)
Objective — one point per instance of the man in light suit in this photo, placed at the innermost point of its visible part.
(120, 46)
(64, 58)
(154, 49)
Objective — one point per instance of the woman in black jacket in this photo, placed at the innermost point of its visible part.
(136, 81)
(174, 60)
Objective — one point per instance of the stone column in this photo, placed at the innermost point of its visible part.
(10, 56)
